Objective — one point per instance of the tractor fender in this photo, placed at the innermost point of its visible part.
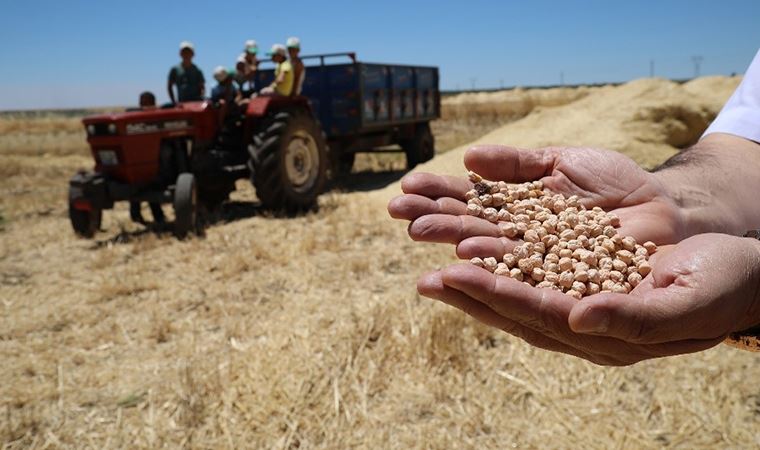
(260, 106)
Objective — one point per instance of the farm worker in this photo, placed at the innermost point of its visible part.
(243, 77)
(147, 102)
(702, 289)
(250, 51)
(191, 86)
(283, 73)
(225, 94)
(299, 72)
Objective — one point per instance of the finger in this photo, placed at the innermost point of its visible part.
(540, 309)
(655, 316)
(412, 206)
(498, 162)
(483, 247)
(434, 186)
(450, 229)
(431, 285)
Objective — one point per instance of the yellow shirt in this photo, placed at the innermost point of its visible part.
(286, 87)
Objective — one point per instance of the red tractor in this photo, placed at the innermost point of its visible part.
(189, 156)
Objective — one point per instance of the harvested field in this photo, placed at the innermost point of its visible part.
(308, 332)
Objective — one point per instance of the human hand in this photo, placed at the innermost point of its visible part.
(435, 204)
(698, 292)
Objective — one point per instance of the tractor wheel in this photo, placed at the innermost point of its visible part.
(185, 205)
(289, 162)
(84, 221)
(421, 148)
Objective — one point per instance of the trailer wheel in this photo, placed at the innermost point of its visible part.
(421, 148)
(85, 222)
(289, 164)
(344, 163)
(185, 205)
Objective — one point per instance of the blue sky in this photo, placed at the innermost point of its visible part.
(84, 53)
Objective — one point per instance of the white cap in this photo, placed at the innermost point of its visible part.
(278, 49)
(241, 59)
(220, 73)
(293, 42)
(186, 44)
(251, 47)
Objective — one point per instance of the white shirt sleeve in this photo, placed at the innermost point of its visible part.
(740, 116)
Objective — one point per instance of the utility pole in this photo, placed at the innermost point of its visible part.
(697, 60)
(472, 83)
(501, 83)
(651, 68)
(561, 78)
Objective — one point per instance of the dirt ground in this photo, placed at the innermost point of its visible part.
(308, 332)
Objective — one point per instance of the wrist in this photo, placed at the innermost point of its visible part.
(753, 311)
(697, 207)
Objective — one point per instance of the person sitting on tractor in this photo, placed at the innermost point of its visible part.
(299, 71)
(147, 102)
(244, 78)
(191, 86)
(283, 73)
(225, 91)
(249, 52)
(225, 94)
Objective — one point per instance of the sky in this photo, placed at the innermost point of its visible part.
(70, 54)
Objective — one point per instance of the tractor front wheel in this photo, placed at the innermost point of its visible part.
(185, 205)
(85, 219)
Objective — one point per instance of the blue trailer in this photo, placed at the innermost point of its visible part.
(368, 107)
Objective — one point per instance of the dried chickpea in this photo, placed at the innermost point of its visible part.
(644, 268)
(477, 262)
(510, 260)
(634, 278)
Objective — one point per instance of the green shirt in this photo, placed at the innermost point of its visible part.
(189, 81)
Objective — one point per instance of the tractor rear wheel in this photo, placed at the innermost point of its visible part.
(85, 222)
(289, 162)
(420, 148)
(185, 205)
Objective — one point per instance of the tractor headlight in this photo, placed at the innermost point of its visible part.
(91, 130)
(111, 128)
(108, 157)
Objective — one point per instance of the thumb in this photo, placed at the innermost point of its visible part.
(500, 162)
(640, 319)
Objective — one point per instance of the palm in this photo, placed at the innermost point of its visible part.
(616, 183)
(602, 178)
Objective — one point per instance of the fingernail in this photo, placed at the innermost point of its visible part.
(594, 320)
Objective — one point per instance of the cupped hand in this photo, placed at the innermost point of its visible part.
(436, 207)
(698, 292)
